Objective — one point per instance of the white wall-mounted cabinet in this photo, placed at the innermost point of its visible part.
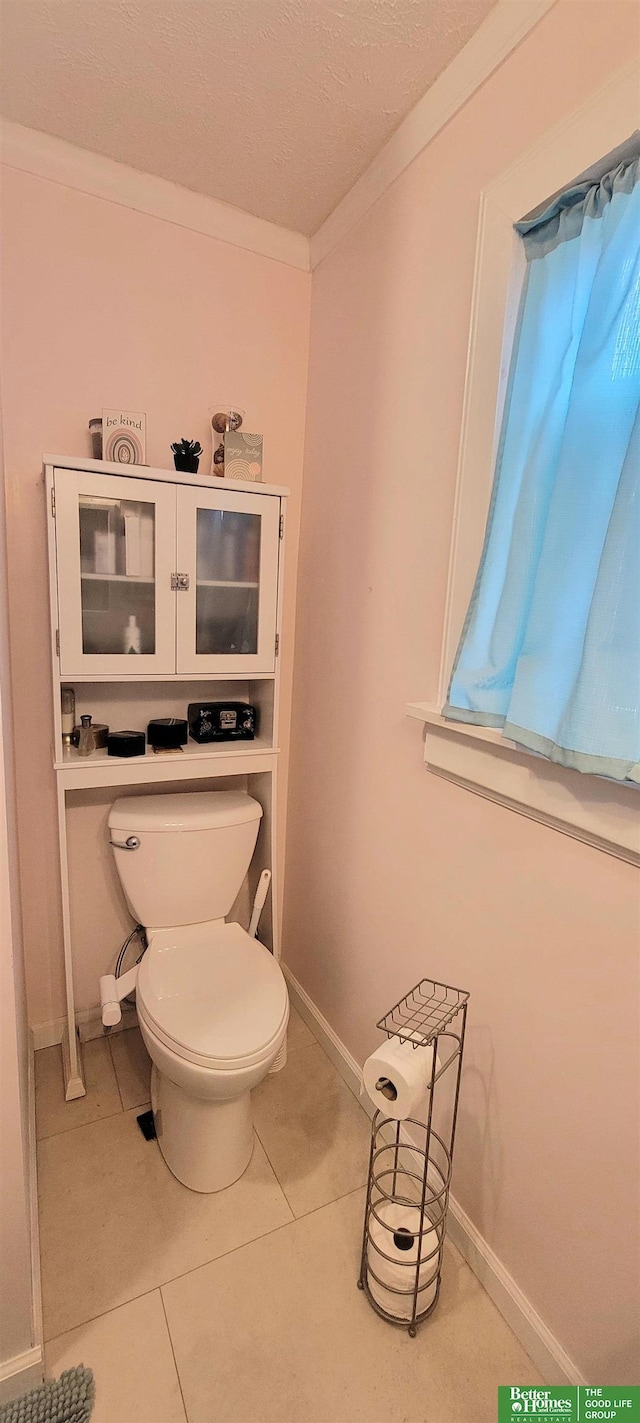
(165, 589)
(162, 579)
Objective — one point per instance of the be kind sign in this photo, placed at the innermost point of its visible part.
(124, 436)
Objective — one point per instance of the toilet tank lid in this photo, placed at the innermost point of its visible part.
(199, 810)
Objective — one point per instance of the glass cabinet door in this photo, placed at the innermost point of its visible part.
(115, 542)
(228, 546)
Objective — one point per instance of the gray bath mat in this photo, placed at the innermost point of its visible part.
(68, 1399)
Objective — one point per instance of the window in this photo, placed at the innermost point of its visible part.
(550, 649)
(601, 811)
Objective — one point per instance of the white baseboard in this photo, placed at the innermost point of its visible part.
(48, 1034)
(36, 1290)
(541, 1345)
(21, 1374)
(89, 1025)
(26, 1371)
(341, 1058)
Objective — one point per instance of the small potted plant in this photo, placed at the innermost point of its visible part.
(186, 455)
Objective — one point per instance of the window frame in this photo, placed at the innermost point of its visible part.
(602, 812)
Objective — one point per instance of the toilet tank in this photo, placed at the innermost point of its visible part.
(191, 856)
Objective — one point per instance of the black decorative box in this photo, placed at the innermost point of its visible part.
(167, 733)
(126, 743)
(222, 721)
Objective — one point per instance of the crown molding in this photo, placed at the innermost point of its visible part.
(503, 30)
(44, 156)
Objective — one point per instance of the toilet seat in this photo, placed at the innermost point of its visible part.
(212, 995)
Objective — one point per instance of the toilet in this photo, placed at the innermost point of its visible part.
(212, 1002)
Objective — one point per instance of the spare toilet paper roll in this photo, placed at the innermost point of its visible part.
(397, 1075)
(392, 1255)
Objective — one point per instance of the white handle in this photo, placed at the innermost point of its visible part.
(258, 903)
(112, 990)
(111, 1010)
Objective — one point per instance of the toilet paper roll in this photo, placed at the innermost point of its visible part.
(392, 1229)
(397, 1075)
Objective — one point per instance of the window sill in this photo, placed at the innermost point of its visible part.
(600, 812)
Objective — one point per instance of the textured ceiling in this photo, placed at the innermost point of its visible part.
(276, 106)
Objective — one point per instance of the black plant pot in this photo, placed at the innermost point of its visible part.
(187, 463)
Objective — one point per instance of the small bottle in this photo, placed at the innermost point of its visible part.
(85, 742)
(68, 701)
(131, 637)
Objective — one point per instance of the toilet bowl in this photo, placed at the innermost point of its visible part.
(212, 1002)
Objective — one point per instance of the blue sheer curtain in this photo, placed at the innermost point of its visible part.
(550, 650)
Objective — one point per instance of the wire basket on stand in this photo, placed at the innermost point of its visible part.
(410, 1164)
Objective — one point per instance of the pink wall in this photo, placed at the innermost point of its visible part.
(20, 1326)
(391, 873)
(104, 306)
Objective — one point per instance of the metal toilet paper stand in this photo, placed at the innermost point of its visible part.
(410, 1164)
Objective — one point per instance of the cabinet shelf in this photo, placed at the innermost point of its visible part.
(224, 583)
(194, 750)
(195, 762)
(116, 578)
(139, 578)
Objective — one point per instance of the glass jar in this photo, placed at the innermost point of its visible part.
(68, 706)
(95, 431)
(224, 415)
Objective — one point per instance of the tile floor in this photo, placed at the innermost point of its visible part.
(240, 1307)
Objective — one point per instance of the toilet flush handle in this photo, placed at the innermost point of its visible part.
(131, 843)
